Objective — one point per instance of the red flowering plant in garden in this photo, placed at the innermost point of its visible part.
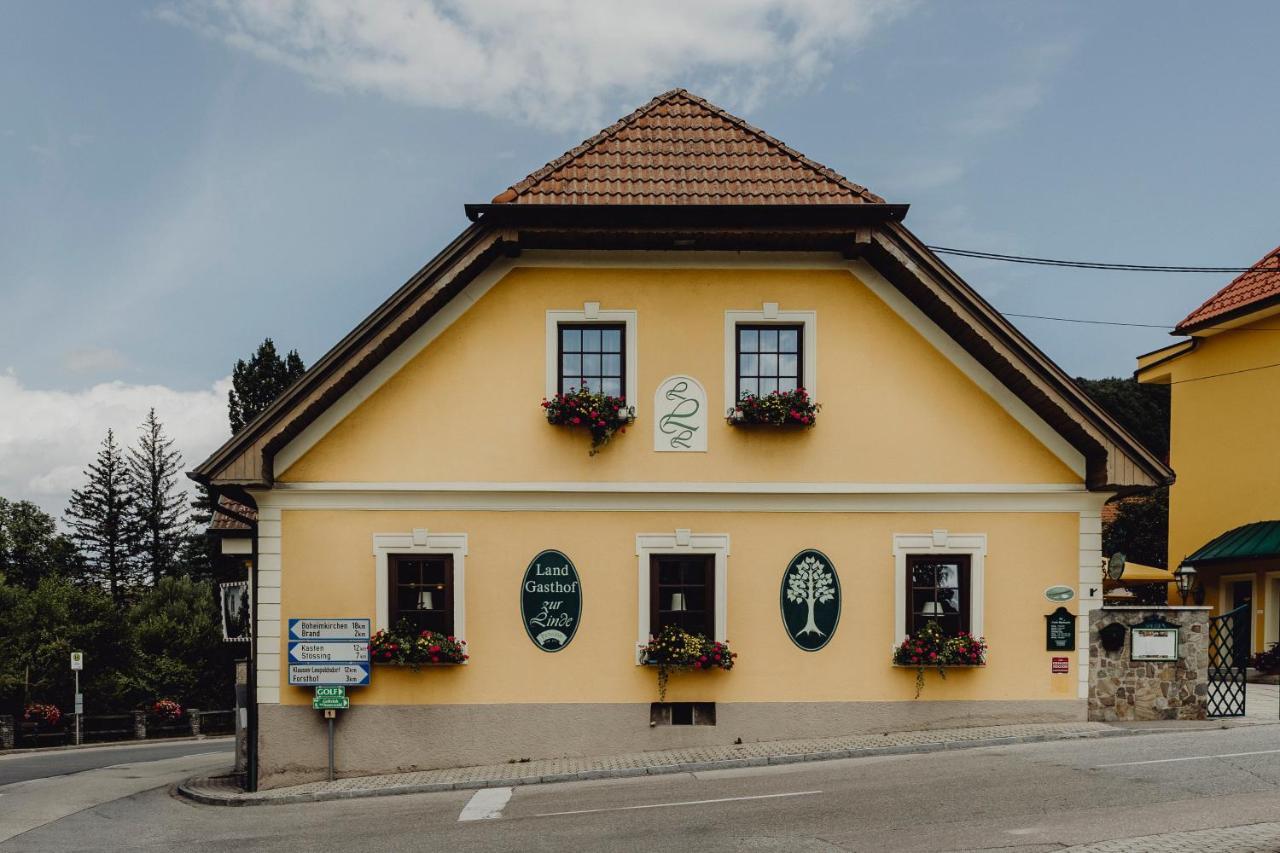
(406, 646)
(601, 414)
(677, 649)
(777, 408)
(167, 709)
(44, 715)
(930, 647)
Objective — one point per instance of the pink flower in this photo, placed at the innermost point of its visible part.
(575, 420)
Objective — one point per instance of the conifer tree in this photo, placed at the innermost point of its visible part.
(255, 384)
(159, 505)
(100, 522)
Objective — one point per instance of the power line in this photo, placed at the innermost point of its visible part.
(1093, 265)
(1227, 373)
(1169, 327)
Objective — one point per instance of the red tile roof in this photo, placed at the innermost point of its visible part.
(681, 149)
(222, 521)
(1261, 284)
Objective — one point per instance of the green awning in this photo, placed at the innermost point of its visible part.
(1250, 542)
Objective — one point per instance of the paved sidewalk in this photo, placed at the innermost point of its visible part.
(1254, 838)
(221, 790)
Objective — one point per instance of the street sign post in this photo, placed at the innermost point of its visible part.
(328, 652)
(77, 664)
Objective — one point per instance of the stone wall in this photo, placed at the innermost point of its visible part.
(1124, 689)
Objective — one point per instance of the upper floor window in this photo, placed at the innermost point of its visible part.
(422, 592)
(770, 358)
(592, 356)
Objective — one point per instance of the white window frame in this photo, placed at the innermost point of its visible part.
(682, 541)
(942, 543)
(768, 315)
(420, 541)
(592, 313)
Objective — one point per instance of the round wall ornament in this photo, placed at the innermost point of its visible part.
(1060, 593)
(810, 600)
(551, 600)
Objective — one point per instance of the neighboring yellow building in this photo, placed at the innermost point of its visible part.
(680, 258)
(1224, 511)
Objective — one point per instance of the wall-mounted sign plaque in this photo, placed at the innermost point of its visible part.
(1154, 639)
(1060, 631)
(810, 600)
(680, 415)
(1060, 666)
(551, 601)
(1059, 593)
(1112, 637)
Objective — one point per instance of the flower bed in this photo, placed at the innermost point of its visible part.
(777, 408)
(600, 414)
(42, 715)
(167, 711)
(676, 649)
(405, 647)
(931, 648)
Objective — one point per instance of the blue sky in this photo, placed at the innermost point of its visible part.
(179, 180)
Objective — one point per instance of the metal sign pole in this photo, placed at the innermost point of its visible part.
(79, 708)
(331, 715)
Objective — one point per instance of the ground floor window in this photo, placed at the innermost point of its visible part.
(682, 592)
(421, 591)
(938, 590)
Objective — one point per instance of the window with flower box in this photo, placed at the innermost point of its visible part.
(421, 592)
(682, 593)
(938, 591)
(770, 358)
(592, 356)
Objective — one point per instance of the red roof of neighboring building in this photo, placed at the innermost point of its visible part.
(222, 521)
(681, 149)
(1261, 284)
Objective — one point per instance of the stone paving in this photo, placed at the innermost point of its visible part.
(223, 790)
(1254, 838)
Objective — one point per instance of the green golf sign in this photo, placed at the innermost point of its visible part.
(330, 699)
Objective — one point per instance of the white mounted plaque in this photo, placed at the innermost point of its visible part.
(1153, 644)
(680, 415)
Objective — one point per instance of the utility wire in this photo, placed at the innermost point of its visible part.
(1169, 327)
(1093, 265)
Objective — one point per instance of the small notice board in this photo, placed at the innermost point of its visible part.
(1060, 631)
(1154, 640)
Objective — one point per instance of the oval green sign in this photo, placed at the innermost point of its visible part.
(551, 601)
(810, 600)
(1059, 593)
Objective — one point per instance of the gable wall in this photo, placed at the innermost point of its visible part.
(895, 410)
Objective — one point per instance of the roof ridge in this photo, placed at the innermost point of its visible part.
(1191, 319)
(673, 95)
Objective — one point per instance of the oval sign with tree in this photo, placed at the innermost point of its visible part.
(551, 600)
(810, 600)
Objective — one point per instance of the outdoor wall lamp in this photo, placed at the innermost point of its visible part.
(1186, 577)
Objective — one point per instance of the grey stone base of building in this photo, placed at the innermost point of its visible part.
(383, 739)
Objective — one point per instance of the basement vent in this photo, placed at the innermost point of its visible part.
(682, 714)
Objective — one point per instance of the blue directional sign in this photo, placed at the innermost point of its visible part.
(329, 674)
(328, 652)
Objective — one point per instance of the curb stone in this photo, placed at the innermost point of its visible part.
(190, 788)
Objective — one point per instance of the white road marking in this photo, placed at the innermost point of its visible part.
(686, 803)
(1189, 758)
(486, 804)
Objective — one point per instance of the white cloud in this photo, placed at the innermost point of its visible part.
(556, 63)
(94, 360)
(47, 438)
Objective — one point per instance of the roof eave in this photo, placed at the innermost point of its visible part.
(685, 215)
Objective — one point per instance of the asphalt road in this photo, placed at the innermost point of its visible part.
(1031, 797)
(24, 766)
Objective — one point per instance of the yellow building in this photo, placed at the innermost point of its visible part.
(1224, 511)
(680, 259)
